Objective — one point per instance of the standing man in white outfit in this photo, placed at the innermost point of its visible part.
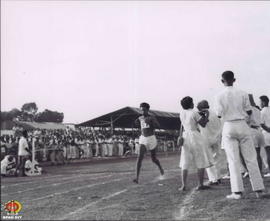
(233, 106)
(212, 133)
(266, 127)
(23, 153)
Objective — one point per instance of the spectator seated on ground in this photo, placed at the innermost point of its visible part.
(3, 150)
(8, 166)
(32, 168)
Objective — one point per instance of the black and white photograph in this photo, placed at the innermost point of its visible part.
(135, 110)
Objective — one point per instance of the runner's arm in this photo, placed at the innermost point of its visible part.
(137, 123)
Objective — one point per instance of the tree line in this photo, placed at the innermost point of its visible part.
(29, 112)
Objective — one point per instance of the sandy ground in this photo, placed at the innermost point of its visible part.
(104, 191)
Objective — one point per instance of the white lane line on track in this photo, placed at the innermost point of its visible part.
(174, 170)
(82, 209)
(55, 184)
(185, 206)
(36, 178)
(99, 175)
(66, 178)
(83, 187)
(53, 177)
(47, 178)
(29, 203)
(73, 189)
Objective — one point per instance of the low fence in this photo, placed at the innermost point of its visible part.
(60, 154)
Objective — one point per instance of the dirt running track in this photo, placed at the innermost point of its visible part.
(104, 191)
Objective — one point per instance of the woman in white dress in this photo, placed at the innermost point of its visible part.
(194, 146)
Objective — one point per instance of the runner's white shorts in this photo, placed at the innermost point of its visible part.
(149, 142)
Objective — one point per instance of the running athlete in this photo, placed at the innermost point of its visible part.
(147, 140)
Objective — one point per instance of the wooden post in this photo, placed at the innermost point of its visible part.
(33, 149)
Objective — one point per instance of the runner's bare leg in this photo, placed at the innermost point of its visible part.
(139, 162)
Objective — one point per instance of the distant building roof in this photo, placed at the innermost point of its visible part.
(125, 117)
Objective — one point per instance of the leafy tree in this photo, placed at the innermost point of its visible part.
(15, 113)
(5, 115)
(30, 108)
(29, 111)
(10, 115)
(49, 116)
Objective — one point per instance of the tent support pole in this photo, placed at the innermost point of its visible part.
(111, 126)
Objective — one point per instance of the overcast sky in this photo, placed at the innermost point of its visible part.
(88, 58)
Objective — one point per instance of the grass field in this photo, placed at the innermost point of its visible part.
(104, 190)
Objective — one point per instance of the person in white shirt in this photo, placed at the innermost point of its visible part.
(120, 146)
(212, 133)
(254, 121)
(98, 146)
(265, 124)
(52, 153)
(233, 106)
(115, 145)
(109, 142)
(8, 166)
(131, 145)
(88, 150)
(105, 149)
(23, 153)
(32, 168)
(165, 147)
(194, 148)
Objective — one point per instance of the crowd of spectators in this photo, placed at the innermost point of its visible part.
(63, 146)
